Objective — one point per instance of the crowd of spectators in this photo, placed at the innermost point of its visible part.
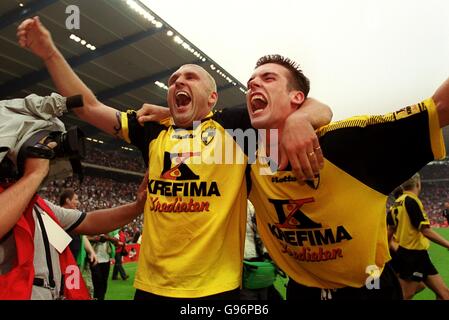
(98, 193)
(437, 170)
(433, 197)
(114, 158)
(435, 190)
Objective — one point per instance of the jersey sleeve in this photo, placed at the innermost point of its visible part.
(384, 151)
(138, 135)
(416, 215)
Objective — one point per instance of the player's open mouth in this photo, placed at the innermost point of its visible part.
(258, 103)
(183, 99)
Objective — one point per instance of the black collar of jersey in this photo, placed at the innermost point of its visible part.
(191, 127)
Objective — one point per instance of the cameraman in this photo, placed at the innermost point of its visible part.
(18, 280)
(35, 261)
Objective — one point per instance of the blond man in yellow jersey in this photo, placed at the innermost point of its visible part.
(413, 232)
(392, 241)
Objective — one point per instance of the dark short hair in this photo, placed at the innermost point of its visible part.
(66, 194)
(298, 80)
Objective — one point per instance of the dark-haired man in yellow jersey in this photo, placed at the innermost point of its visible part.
(413, 232)
(329, 234)
(195, 214)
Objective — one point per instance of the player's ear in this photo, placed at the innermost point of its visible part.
(297, 97)
(213, 98)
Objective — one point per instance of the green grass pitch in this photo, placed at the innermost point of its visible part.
(124, 290)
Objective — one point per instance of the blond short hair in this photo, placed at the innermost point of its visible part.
(412, 182)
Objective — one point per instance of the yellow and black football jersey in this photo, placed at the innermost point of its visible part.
(409, 214)
(195, 214)
(331, 232)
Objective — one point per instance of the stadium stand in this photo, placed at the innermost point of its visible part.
(98, 193)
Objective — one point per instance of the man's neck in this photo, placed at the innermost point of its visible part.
(415, 191)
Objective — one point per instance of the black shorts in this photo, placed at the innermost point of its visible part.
(414, 265)
(389, 289)
(394, 260)
(228, 295)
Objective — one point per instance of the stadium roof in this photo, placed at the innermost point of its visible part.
(123, 51)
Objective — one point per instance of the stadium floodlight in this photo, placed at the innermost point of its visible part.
(169, 33)
(161, 85)
(178, 40)
(143, 12)
(136, 7)
(82, 42)
(148, 16)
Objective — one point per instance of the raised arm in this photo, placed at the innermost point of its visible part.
(106, 220)
(299, 144)
(33, 35)
(441, 98)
